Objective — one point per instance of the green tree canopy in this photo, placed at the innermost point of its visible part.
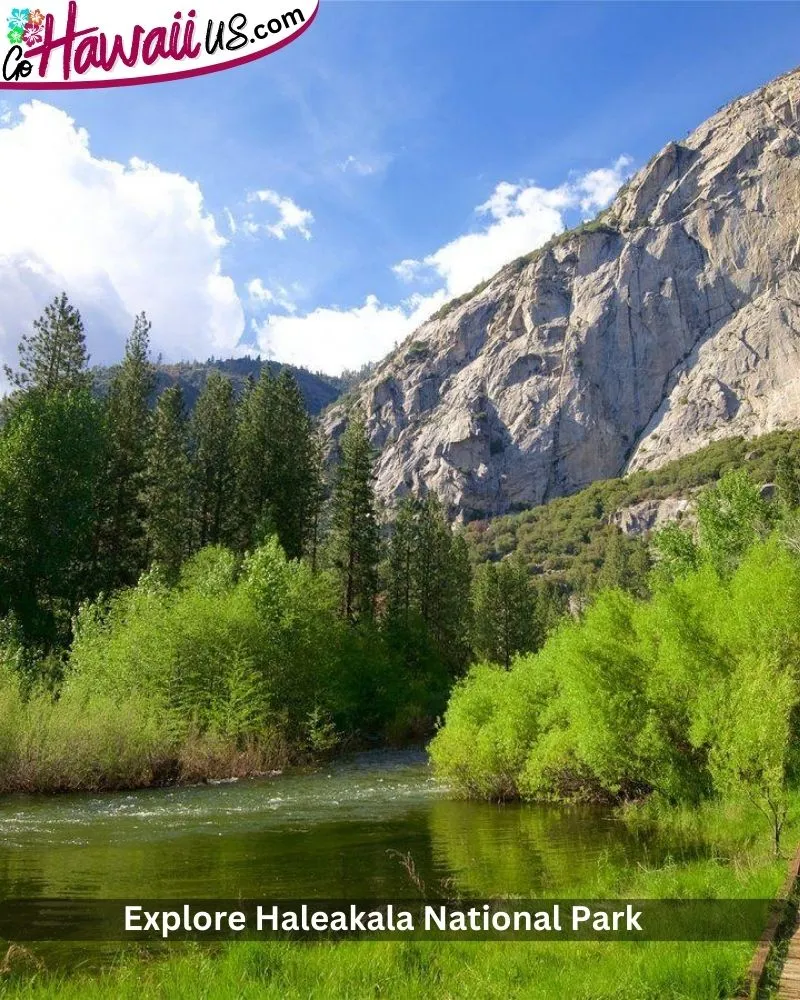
(122, 550)
(504, 603)
(213, 437)
(51, 462)
(54, 356)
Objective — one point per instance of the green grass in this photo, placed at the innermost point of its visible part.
(405, 970)
(741, 867)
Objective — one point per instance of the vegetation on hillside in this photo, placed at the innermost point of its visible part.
(318, 389)
(568, 540)
(187, 593)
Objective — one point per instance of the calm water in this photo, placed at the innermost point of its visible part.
(328, 834)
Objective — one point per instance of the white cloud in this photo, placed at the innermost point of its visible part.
(520, 218)
(501, 202)
(364, 167)
(290, 216)
(331, 339)
(598, 187)
(523, 218)
(118, 238)
(408, 270)
(261, 296)
(258, 292)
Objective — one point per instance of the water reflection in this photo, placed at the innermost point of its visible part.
(331, 834)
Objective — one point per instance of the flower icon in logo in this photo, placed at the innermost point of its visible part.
(33, 34)
(15, 36)
(19, 19)
(36, 17)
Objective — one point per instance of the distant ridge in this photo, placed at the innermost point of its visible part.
(319, 391)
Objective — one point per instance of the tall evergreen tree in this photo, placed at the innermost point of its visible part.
(355, 540)
(626, 563)
(442, 579)
(122, 549)
(458, 616)
(293, 467)
(400, 584)
(213, 435)
(428, 587)
(253, 432)
(316, 499)
(51, 462)
(550, 606)
(53, 357)
(504, 612)
(168, 484)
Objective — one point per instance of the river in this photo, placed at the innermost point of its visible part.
(332, 833)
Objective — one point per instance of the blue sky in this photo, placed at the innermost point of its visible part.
(378, 134)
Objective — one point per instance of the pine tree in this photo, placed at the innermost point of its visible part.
(458, 603)
(213, 436)
(486, 602)
(428, 587)
(53, 358)
(293, 469)
(51, 463)
(400, 589)
(613, 573)
(550, 604)
(278, 467)
(122, 549)
(316, 498)
(625, 564)
(442, 583)
(253, 431)
(355, 540)
(168, 483)
(505, 623)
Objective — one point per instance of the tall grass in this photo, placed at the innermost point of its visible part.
(414, 971)
(101, 743)
(218, 675)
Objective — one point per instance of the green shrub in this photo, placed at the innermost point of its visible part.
(691, 693)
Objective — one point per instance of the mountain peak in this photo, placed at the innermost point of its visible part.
(670, 321)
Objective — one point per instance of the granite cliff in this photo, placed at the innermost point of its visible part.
(671, 321)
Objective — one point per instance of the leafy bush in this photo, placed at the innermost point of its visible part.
(694, 692)
(224, 672)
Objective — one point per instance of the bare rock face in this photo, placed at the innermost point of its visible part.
(671, 322)
(639, 519)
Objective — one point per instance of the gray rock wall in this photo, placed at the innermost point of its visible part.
(675, 323)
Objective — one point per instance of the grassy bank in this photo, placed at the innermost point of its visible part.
(739, 865)
(402, 971)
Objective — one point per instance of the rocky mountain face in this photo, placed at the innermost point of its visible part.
(671, 321)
